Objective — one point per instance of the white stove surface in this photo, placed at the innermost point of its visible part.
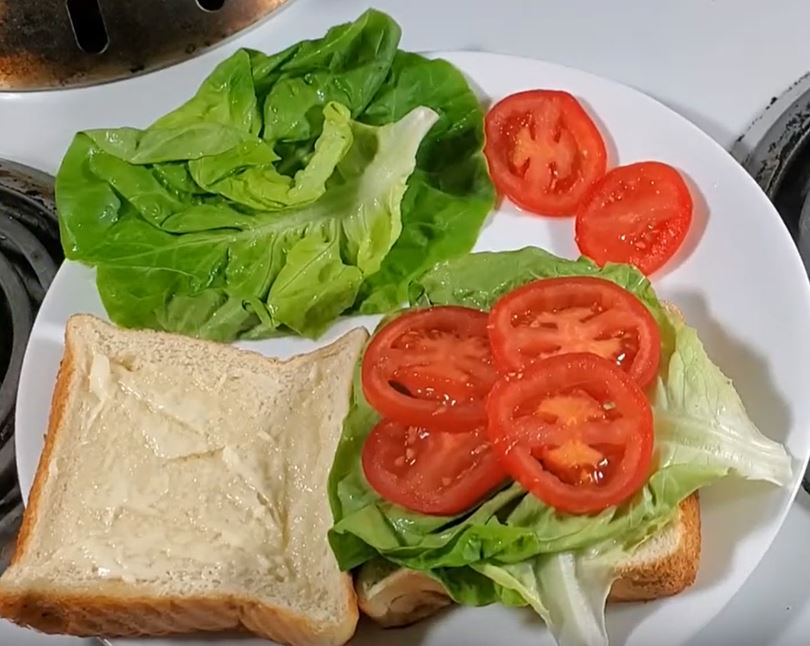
(718, 62)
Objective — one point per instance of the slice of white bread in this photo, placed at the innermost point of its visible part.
(182, 488)
(664, 565)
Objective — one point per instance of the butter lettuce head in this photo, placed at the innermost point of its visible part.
(288, 190)
(512, 548)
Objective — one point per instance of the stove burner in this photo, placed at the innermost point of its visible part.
(64, 43)
(30, 254)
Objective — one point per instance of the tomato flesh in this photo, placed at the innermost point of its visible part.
(554, 316)
(637, 214)
(430, 472)
(574, 430)
(543, 150)
(431, 367)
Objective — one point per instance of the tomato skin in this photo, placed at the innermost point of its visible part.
(431, 367)
(548, 422)
(567, 314)
(543, 151)
(637, 214)
(430, 472)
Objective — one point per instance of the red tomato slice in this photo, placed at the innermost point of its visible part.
(578, 314)
(431, 367)
(544, 151)
(637, 214)
(431, 472)
(574, 430)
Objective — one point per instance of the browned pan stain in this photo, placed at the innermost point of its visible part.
(39, 49)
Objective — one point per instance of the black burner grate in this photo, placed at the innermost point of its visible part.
(30, 254)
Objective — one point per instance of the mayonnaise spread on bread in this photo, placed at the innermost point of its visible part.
(201, 474)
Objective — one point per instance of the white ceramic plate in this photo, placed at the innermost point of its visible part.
(738, 279)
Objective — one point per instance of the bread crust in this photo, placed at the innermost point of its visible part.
(671, 574)
(115, 614)
(59, 401)
(109, 609)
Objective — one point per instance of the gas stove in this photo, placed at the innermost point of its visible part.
(699, 58)
(30, 254)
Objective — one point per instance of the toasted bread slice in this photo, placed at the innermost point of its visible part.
(182, 488)
(667, 563)
(663, 566)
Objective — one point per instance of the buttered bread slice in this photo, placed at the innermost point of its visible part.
(182, 488)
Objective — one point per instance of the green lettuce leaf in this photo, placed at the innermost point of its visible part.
(512, 548)
(478, 280)
(225, 98)
(246, 174)
(207, 269)
(568, 590)
(271, 200)
(700, 420)
(449, 194)
(348, 65)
